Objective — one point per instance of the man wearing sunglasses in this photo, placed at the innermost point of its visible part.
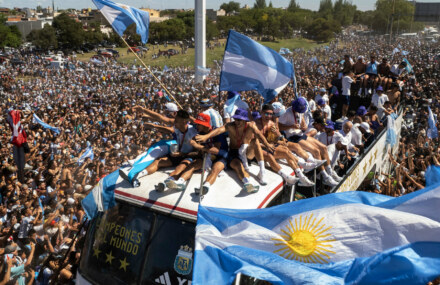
(241, 133)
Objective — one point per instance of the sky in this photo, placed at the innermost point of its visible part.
(174, 4)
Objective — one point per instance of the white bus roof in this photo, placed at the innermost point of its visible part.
(226, 192)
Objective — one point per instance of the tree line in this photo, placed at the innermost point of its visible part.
(262, 20)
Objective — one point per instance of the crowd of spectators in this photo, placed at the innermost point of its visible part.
(92, 107)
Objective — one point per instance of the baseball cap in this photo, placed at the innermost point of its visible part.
(321, 102)
(365, 126)
(10, 248)
(203, 119)
(361, 111)
(278, 109)
(379, 88)
(171, 107)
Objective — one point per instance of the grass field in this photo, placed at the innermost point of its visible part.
(188, 58)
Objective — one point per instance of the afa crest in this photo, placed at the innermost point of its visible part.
(183, 262)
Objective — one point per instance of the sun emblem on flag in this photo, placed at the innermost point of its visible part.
(306, 241)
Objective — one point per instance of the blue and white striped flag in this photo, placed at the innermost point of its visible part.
(137, 167)
(37, 120)
(343, 238)
(432, 132)
(284, 51)
(121, 16)
(248, 65)
(87, 153)
(203, 71)
(102, 196)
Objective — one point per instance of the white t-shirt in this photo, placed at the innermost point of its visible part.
(378, 101)
(290, 118)
(328, 112)
(238, 104)
(346, 84)
(395, 70)
(328, 140)
(312, 105)
(184, 139)
(356, 135)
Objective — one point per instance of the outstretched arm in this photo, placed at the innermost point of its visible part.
(153, 115)
(262, 138)
(161, 128)
(211, 134)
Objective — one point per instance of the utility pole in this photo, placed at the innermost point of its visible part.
(200, 38)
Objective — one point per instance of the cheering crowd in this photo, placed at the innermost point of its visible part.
(64, 129)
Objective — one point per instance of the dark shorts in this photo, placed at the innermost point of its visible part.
(232, 154)
(297, 139)
(220, 159)
(176, 160)
(372, 75)
(345, 99)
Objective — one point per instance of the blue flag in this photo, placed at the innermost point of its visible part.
(432, 132)
(342, 238)
(102, 196)
(121, 16)
(86, 154)
(37, 120)
(248, 65)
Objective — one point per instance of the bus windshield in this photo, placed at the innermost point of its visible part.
(132, 245)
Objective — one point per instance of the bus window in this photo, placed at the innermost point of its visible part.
(170, 255)
(116, 245)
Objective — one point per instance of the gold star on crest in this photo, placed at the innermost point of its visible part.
(124, 264)
(96, 252)
(110, 257)
(124, 7)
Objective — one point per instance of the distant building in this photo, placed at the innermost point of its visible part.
(4, 11)
(27, 25)
(212, 14)
(428, 13)
(152, 12)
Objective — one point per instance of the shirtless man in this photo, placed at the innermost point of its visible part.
(359, 69)
(241, 133)
(383, 70)
(273, 135)
(394, 95)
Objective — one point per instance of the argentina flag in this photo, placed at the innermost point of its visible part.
(248, 65)
(102, 196)
(87, 153)
(37, 120)
(342, 238)
(121, 16)
(432, 132)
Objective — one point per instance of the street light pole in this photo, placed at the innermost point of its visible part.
(200, 38)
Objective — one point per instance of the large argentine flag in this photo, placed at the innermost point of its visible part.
(343, 238)
(248, 65)
(121, 16)
(102, 196)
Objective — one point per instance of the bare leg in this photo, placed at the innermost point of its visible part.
(283, 152)
(188, 172)
(179, 169)
(159, 163)
(296, 148)
(216, 169)
(239, 169)
(272, 162)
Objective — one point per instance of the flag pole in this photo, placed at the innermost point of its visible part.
(149, 70)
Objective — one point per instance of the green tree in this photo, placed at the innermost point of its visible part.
(39, 9)
(293, 6)
(211, 30)
(260, 4)
(270, 4)
(326, 9)
(70, 33)
(10, 35)
(322, 29)
(230, 7)
(397, 13)
(45, 38)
